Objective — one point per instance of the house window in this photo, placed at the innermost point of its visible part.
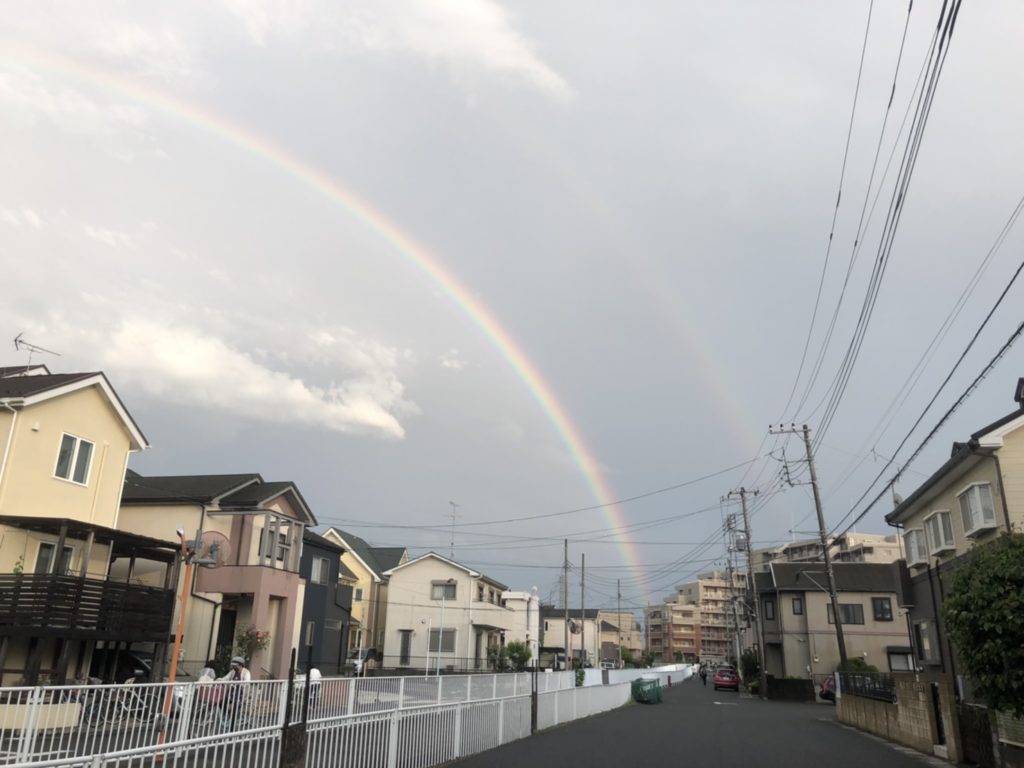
(977, 509)
(798, 606)
(882, 608)
(443, 637)
(480, 592)
(939, 527)
(73, 459)
(769, 610)
(916, 551)
(442, 591)
(404, 644)
(321, 570)
(926, 641)
(357, 594)
(546, 626)
(44, 560)
(850, 613)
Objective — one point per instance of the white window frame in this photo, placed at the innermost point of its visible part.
(977, 526)
(321, 572)
(70, 559)
(436, 640)
(73, 463)
(915, 546)
(936, 546)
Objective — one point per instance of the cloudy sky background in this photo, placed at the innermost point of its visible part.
(640, 195)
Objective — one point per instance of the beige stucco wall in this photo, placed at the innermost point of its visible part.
(1011, 459)
(363, 610)
(29, 487)
(944, 498)
(16, 544)
(809, 641)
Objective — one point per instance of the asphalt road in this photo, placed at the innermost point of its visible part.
(695, 726)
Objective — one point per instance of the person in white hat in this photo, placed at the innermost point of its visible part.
(238, 671)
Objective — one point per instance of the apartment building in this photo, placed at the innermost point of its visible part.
(698, 620)
(847, 548)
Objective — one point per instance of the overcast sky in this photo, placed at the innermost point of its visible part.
(214, 203)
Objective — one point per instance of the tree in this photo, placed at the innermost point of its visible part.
(984, 615)
(518, 654)
(497, 657)
(677, 656)
(750, 669)
(856, 664)
(627, 658)
(647, 659)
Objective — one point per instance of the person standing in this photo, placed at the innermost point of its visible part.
(704, 675)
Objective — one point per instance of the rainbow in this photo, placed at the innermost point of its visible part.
(415, 254)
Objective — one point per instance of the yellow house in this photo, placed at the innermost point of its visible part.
(65, 440)
(250, 532)
(369, 588)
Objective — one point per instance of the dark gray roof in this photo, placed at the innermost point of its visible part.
(363, 551)
(966, 451)
(22, 370)
(345, 572)
(175, 488)
(387, 557)
(607, 626)
(26, 386)
(315, 538)
(850, 577)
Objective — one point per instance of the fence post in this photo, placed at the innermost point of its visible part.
(26, 745)
(469, 688)
(185, 715)
(393, 739)
(457, 745)
(575, 696)
(494, 693)
(401, 693)
(533, 703)
(501, 722)
(439, 679)
(352, 694)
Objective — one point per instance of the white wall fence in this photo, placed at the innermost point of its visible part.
(676, 672)
(559, 707)
(403, 722)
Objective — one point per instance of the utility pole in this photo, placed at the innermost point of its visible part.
(618, 610)
(453, 514)
(805, 431)
(565, 598)
(755, 612)
(583, 613)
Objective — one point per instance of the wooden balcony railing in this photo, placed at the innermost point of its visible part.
(46, 605)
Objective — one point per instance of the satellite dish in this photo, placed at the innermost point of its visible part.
(213, 550)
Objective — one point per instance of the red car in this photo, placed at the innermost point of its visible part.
(726, 677)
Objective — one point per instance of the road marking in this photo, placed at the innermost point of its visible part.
(727, 703)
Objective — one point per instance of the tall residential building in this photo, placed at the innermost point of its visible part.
(696, 621)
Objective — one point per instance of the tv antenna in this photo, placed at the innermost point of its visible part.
(453, 514)
(32, 349)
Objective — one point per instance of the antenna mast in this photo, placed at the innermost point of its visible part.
(453, 514)
(20, 344)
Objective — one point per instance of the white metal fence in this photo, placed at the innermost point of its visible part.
(559, 707)
(406, 722)
(62, 722)
(417, 737)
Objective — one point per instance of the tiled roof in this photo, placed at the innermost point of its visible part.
(387, 557)
(26, 386)
(22, 370)
(315, 538)
(345, 572)
(198, 488)
(850, 577)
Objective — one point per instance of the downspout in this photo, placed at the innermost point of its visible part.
(7, 446)
(940, 621)
(1002, 491)
(935, 609)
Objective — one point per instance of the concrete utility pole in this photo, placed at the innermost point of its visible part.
(755, 603)
(583, 613)
(565, 599)
(805, 431)
(618, 610)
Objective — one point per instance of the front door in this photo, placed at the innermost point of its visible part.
(405, 642)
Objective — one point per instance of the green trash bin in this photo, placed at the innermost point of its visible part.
(646, 691)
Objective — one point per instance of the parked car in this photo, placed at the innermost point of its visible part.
(359, 663)
(130, 665)
(828, 689)
(726, 677)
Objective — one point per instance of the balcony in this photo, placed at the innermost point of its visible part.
(49, 605)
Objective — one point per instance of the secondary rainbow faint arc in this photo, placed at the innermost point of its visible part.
(473, 308)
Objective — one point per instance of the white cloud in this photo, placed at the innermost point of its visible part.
(110, 237)
(184, 364)
(467, 36)
(18, 217)
(452, 360)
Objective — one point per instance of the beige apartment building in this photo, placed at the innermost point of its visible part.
(698, 620)
(847, 548)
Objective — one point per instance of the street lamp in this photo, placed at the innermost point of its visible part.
(440, 627)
